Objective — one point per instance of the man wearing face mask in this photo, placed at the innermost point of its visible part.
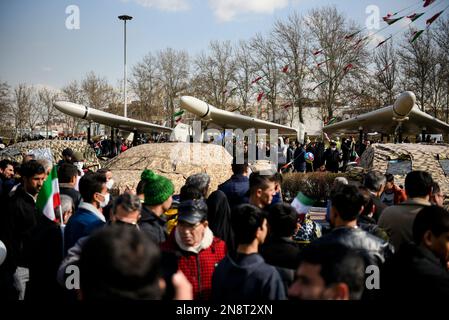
(107, 211)
(89, 215)
(332, 157)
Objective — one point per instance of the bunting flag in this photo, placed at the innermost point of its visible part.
(256, 80)
(259, 96)
(319, 64)
(428, 3)
(415, 35)
(232, 91)
(432, 19)
(415, 16)
(178, 113)
(316, 52)
(319, 84)
(330, 121)
(350, 36)
(390, 21)
(48, 198)
(347, 67)
(387, 16)
(286, 105)
(224, 91)
(285, 69)
(382, 42)
(384, 69)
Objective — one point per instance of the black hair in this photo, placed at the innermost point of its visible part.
(277, 177)
(141, 187)
(66, 171)
(433, 218)
(190, 192)
(339, 264)
(90, 184)
(373, 180)
(5, 163)
(103, 171)
(259, 181)
(418, 184)
(120, 262)
(282, 219)
(31, 168)
(239, 168)
(348, 201)
(389, 177)
(367, 201)
(435, 188)
(245, 220)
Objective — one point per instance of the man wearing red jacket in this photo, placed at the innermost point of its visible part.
(199, 251)
(392, 194)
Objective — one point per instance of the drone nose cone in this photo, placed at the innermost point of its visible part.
(195, 106)
(403, 104)
(70, 108)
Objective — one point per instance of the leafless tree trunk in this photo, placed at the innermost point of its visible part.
(245, 73)
(46, 100)
(21, 108)
(386, 72)
(73, 93)
(145, 84)
(417, 60)
(216, 72)
(340, 57)
(173, 73)
(268, 67)
(292, 42)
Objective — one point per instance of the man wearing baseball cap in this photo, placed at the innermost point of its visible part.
(199, 250)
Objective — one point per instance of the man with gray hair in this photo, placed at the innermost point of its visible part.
(126, 209)
(375, 182)
(67, 208)
(201, 181)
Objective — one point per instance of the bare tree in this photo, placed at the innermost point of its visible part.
(441, 37)
(416, 60)
(386, 72)
(22, 109)
(73, 93)
(292, 42)
(342, 55)
(245, 73)
(146, 86)
(268, 68)
(97, 91)
(173, 73)
(216, 70)
(46, 99)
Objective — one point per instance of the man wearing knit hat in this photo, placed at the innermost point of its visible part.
(158, 193)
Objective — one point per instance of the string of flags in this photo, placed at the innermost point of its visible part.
(357, 41)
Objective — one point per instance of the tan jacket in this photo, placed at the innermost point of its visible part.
(398, 220)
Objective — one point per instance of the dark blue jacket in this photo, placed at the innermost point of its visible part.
(235, 189)
(81, 224)
(246, 277)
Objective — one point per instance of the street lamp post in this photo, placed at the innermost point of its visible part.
(125, 18)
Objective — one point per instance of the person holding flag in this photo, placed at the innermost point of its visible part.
(44, 248)
(19, 219)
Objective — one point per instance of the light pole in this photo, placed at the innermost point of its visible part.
(125, 18)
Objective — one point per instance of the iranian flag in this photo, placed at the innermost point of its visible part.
(48, 198)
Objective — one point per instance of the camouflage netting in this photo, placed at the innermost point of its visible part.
(422, 156)
(175, 161)
(16, 151)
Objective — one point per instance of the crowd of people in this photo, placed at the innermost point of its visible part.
(239, 242)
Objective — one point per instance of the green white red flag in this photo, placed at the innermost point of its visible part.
(48, 198)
